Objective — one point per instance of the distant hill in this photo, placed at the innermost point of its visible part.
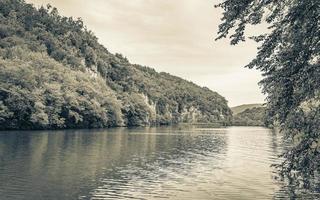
(249, 115)
(54, 74)
(238, 109)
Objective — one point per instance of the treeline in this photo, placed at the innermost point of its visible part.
(255, 116)
(54, 74)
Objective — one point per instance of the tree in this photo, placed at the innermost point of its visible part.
(288, 58)
(54, 74)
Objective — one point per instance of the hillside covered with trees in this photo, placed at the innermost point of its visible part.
(238, 109)
(54, 74)
(249, 115)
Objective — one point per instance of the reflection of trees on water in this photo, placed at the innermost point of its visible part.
(65, 164)
(158, 161)
(296, 188)
(76, 161)
(291, 185)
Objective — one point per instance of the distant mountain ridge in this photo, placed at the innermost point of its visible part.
(54, 74)
(238, 109)
(249, 115)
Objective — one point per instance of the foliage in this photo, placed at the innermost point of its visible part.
(238, 109)
(55, 74)
(39, 92)
(289, 60)
(254, 116)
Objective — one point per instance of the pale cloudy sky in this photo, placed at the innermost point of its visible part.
(175, 36)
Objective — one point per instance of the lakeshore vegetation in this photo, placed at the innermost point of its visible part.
(54, 74)
(289, 59)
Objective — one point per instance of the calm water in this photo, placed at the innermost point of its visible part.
(141, 163)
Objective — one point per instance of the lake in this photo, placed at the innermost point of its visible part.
(181, 162)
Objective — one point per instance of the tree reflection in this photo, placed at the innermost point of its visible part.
(292, 186)
(74, 162)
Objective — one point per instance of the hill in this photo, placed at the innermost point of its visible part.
(238, 109)
(54, 74)
(249, 115)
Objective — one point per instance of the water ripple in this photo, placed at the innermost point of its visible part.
(142, 163)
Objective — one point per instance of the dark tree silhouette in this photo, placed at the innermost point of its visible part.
(288, 57)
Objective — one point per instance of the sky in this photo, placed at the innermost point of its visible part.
(174, 36)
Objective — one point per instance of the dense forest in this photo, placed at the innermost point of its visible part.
(54, 74)
(249, 115)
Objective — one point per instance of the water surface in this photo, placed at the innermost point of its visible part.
(140, 163)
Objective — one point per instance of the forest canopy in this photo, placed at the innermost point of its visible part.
(249, 115)
(54, 74)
